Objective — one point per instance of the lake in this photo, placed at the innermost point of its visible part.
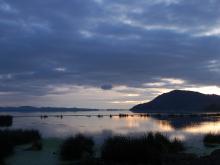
(99, 125)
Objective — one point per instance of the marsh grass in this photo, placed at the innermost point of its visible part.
(6, 121)
(11, 138)
(146, 149)
(74, 148)
(211, 138)
(19, 137)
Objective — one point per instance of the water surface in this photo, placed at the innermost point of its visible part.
(190, 129)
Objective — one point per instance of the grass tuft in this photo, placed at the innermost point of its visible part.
(6, 121)
(11, 138)
(146, 149)
(74, 148)
(211, 138)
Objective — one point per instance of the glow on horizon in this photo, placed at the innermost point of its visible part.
(129, 102)
(205, 89)
(119, 97)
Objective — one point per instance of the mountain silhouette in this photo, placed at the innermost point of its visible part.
(180, 101)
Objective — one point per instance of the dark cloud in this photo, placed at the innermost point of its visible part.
(107, 87)
(96, 42)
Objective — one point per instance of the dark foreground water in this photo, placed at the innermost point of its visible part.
(190, 129)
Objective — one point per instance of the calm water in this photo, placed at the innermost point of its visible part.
(191, 129)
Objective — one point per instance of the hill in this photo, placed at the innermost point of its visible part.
(180, 101)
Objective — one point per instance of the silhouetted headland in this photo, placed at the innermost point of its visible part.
(181, 101)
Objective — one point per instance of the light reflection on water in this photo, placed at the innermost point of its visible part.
(100, 128)
(204, 128)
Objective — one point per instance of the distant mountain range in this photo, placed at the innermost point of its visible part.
(181, 101)
(43, 109)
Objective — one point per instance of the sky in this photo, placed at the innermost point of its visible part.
(106, 53)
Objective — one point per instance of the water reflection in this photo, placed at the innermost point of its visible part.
(204, 128)
(191, 129)
(182, 121)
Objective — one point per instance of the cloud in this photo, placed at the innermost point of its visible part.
(163, 43)
(107, 87)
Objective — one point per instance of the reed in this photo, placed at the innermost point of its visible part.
(11, 138)
(211, 138)
(6, 120)
(146, 149)
(74, 148)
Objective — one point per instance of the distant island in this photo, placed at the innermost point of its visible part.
(180, 101)
(43, 109)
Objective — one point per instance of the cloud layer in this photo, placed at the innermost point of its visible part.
(52, 49)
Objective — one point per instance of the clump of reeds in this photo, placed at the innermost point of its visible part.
(6, 120)
(74, 148)
(19, 137)
(11, 138)
(211, 138)
(146, 149)
(121, 115)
